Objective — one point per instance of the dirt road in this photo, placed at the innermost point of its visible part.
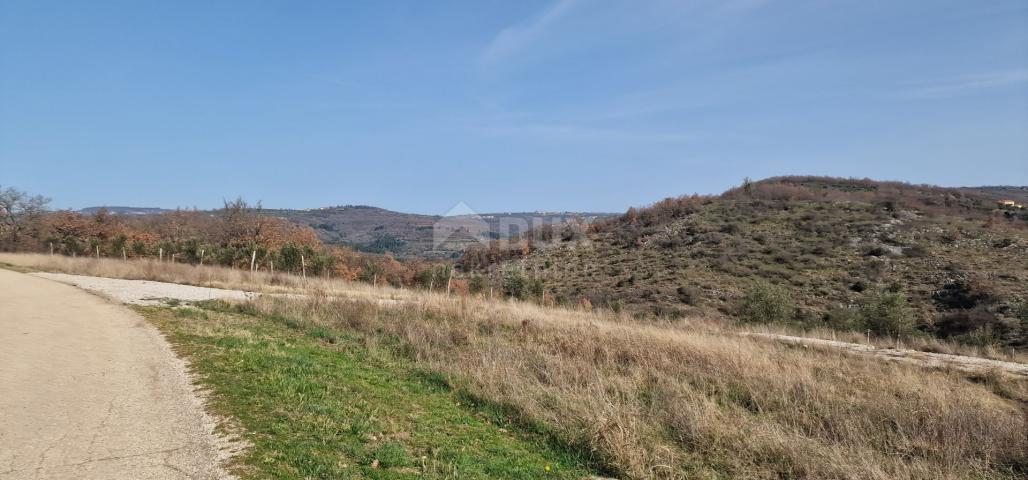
(144, 292)
(88, 390)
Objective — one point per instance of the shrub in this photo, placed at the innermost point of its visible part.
(844, 319)
(514, 284)
(535, 288)
(517, 285)
(688, 294)
(887, 314)
(476, 284)
(766, 303)
(616, 305)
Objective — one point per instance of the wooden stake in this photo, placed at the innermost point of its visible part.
(303, 268)
(98, 252)
(51, 249)
(449, 280)
(160, 253)
(272, 263)
(253, 261)
(201, 256)
(124, 254)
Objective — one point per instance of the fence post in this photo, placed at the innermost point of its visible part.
(253, 261)
(449, 280)
(201, 256)
(303, 268)
(160, 253)
(97, 251)
(124, 254)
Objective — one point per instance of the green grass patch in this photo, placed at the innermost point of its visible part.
(16, 268)
(316, 403)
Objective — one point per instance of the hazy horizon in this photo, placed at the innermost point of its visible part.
(218, 203)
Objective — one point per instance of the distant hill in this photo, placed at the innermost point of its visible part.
(960, 261)
(404, 235)
(1007, 192)
(125, 210)
(376, 230)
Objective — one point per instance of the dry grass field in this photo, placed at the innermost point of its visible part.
(646, 400)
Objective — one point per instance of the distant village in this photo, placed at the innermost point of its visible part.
(1009, 205)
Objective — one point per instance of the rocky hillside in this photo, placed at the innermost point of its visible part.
(822, 246)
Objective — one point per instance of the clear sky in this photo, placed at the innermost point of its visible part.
(505, 105)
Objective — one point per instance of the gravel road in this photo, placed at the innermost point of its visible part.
(148, 292)
(89, 390)
(144, 292)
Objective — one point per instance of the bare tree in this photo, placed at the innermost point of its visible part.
(19, 212)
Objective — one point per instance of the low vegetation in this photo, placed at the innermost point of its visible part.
(636, 398)
(318, 403)
(659, 402)
(805, 253)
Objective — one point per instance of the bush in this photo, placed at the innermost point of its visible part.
(535, 288)
(688, 294)
(766, 303)
(887, 314)
(517, 285)
(844, 319)
(514, 284)
(476, 284)
(616, 305)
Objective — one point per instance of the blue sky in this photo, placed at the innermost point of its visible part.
(504, 105)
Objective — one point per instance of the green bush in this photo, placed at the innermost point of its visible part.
(476, 284)
(616, 305)
(767, 303)
(514, 284)
(844, 319)
(535, 288)
(886, 313)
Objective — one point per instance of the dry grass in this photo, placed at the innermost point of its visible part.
(220, 277)
(659, 401)
(654, 402)
(203, 276)
(921, 343)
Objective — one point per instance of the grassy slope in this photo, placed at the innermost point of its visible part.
(652, 402)
(664, 401)
(316, 403)
(824, 253)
